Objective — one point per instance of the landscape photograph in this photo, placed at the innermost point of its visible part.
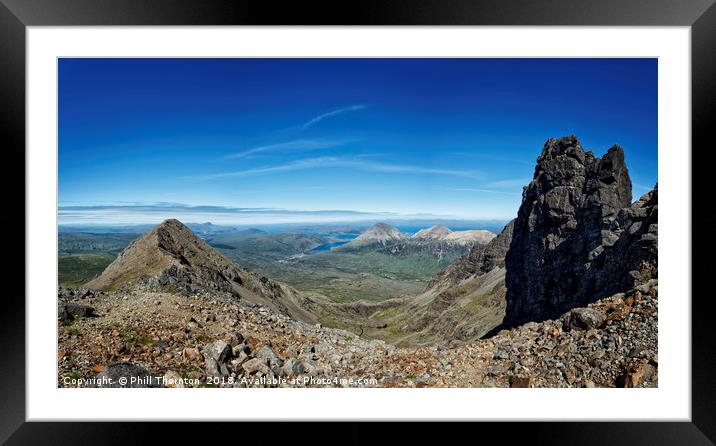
(357, 222)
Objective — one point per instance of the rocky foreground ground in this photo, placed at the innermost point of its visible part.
(176, 340)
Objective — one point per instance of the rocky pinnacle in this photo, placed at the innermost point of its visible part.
(577, 237)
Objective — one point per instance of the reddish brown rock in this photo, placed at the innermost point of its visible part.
(192, 354)
(638, 374)
(521, 382)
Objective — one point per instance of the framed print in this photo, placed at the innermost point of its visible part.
(234, 222)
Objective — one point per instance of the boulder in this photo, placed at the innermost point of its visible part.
(219, 351)
(240, 349)
(192, 354)
(521, 382)
(256, 365)
(585, 318)
(126, 375)
(269, 356)
(293, 367)
(212, 367)
(637, 374)
(85, 293)
(238, 361)
(235, 339)
(73, 310)
(312, 368)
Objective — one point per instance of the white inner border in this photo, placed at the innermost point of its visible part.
(671, 401)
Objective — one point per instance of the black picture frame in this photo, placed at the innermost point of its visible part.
(700, 15)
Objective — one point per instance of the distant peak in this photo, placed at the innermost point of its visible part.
(437, 232)
(383, 226)
(380, 232)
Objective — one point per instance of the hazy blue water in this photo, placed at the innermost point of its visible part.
(347, 236)
(328, 246)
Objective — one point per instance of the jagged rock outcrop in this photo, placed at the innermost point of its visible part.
(480, 260)
(170, 257)
(633, 257)
(576, 237)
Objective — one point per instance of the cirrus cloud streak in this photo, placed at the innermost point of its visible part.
(332, 162)
(332, 113)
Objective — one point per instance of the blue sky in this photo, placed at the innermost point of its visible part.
(439, 137)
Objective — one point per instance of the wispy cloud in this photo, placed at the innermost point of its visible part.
(294, 165)
(508, 184)
(492, 157)
(470, 189)
(503, 187)
(402, 168)
(326, 162)
(332, 113)
(299, 144)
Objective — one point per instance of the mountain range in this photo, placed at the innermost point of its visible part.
(436, 242)
(386, 234)
(443, 233)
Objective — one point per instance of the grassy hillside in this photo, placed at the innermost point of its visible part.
(417, 267)
(264, 247)
(347, 275)
(75, 270)
(87, 243)
(82, 256)
(462, 313)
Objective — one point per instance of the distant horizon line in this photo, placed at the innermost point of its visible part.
(146, 214)
(433, 221)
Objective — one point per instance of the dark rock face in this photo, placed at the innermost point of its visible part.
(577, 237)
(634, 255)
(493, 254)
(480, 260)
